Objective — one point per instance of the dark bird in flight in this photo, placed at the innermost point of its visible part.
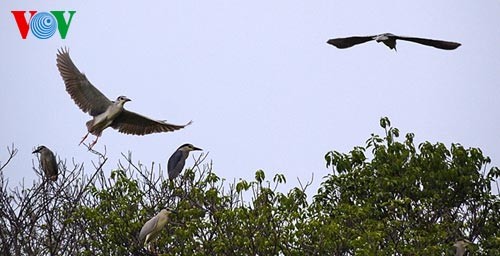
(390, 40)
(105, 113)
(48, 162)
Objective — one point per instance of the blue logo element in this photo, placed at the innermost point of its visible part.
(43, 25)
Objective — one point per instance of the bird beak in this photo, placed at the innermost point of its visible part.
(195, 148)
(127, 99)
(36, 151)
(171, 210)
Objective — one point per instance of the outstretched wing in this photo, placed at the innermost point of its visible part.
(132, 123)
(347, 42)
(85, 95)
(445, 45)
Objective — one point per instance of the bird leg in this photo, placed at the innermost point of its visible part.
(84, 137)
(93, 143)
(150, 248)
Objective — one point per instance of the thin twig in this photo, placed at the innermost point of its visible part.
(12, 152)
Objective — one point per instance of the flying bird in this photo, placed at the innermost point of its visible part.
(48, 162)
(390, 40)
(153, 227)
(105, 113)
(177, 161)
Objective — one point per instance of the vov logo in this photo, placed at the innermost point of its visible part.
(43, 25)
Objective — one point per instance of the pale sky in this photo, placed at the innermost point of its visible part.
(257, 78)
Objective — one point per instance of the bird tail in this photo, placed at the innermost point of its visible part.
(89, 125)
(91, 129)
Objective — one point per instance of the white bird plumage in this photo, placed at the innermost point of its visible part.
(461, 246)
(153, 227)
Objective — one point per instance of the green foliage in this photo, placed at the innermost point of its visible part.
(407, 200)
(389, 197)
(113, 215)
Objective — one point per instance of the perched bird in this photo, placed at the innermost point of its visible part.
(390, 40)
(178, 159)
(152, 228)
(106, 113)
(48, 162)
(461, 246)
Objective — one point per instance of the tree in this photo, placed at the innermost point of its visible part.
(405, 200)
(38, 220)
(389, 197)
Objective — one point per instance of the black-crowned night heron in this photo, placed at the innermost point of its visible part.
(390, 40)
(106, 113)
(178, 159)
(48, 162)
(153, 227)
(461, 246)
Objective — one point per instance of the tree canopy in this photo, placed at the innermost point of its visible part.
(388, 197)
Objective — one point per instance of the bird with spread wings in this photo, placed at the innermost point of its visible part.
(390, 41)
(105, 113)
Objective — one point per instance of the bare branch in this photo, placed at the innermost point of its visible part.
(12, 152)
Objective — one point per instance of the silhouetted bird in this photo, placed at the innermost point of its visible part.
(178, 159)
(390, 40)
(48, 162)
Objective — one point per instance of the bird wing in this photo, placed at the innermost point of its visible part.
(85, 95)
(445, 45)
(347, 42)
(147, 228)
(52, 169)
(173, 162)
(129, 122)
